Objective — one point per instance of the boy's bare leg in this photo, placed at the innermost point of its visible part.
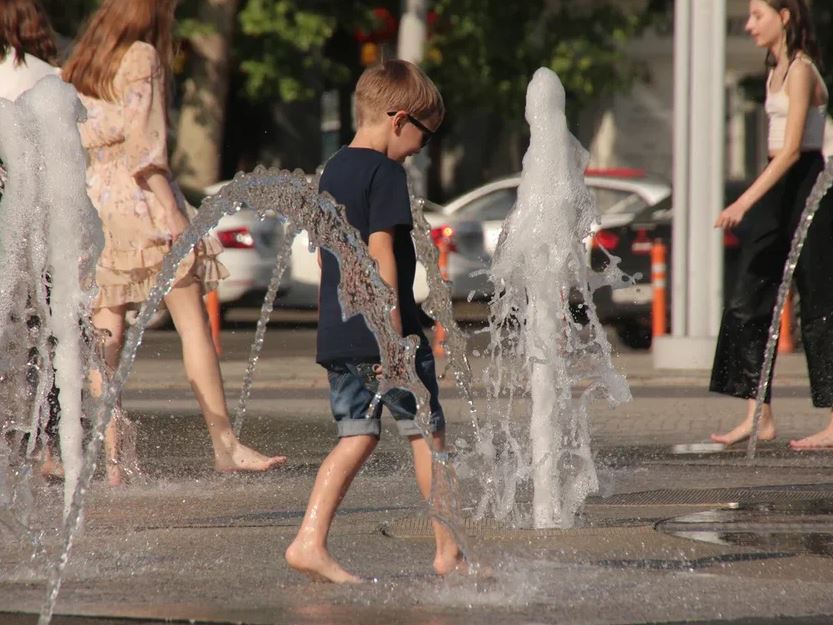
(817, 440)
(110, 320)
(448, 557)
(308, 552)
(203, 370)
(744, 429)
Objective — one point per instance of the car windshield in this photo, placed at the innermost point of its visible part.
(496, 205)
(617, 201)
(493, 206)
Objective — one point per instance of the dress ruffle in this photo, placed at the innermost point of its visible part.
(128, 276)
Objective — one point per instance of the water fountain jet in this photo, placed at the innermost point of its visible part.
(540, 267)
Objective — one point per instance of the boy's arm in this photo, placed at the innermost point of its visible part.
(380, 246)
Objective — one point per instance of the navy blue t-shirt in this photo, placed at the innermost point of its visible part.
(374, 192)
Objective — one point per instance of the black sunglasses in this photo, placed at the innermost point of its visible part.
(427, 133)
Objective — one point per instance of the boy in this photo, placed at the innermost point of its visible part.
(398, 109)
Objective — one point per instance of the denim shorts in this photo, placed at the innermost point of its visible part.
(352, 389)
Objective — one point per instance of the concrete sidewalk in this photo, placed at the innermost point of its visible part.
(670, 538)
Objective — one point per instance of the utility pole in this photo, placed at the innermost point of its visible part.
(202, 119)
(413, 32)
(699, 144)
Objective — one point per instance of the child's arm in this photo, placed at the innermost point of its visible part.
(380, 246)
(175, 220)
(802, 81)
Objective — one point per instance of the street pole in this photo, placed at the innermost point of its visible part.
(699, 145)
(413, 31)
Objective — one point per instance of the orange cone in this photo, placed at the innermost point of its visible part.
(659, 284)
(785, 336)
(212, 304)
(439, 330)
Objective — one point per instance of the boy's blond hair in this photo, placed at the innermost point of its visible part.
(396, 86)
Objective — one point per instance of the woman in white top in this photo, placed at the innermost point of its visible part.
(27, 46)
(769, 210)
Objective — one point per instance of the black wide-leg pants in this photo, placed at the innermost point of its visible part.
(766, 235)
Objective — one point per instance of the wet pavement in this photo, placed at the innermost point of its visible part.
(677, 534)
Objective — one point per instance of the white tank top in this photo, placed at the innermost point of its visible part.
(777, 105)
(17, 78)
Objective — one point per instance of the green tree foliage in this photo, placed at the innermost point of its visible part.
(68, 16)
(289, 49)
(483, 52)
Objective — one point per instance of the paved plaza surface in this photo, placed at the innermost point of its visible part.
(691, 537)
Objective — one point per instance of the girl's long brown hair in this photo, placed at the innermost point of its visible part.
(25, 28)
(111, 30)
(798, 31)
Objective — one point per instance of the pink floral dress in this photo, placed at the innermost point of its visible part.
(126, 140)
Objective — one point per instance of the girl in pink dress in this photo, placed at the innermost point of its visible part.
(120, 66)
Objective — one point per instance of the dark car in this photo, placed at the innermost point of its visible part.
(629, 309)
(472, 223)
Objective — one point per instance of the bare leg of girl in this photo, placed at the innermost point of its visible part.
(203, 370)
(744, 429)
(821, 439)
(110, 321)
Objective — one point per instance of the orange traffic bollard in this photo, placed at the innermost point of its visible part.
(439, 330)
(659, 284)
(212, 304)
(785, 336)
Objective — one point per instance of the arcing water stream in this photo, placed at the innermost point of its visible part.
(361, 290)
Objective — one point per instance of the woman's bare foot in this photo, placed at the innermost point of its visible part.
(50, 468)
(449, 562)
(818, 440)
(242, 458)
(318, 564)
(744, 430)
(115, 473)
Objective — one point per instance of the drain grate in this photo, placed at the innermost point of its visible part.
(804, 500)
(802, 527)
(420, 527)
(716, 496)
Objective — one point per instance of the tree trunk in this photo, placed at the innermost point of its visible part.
(198, 152)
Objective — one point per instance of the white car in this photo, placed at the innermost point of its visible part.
(471, 224)
(250, 248)
(250, 252)
(305, 277)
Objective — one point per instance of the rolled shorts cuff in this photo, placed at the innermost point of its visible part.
(359, 427)
(408, 427)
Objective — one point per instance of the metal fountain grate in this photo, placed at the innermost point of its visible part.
(419, 526)
(607, 511)
(716, 496)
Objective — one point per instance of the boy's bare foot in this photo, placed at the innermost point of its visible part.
(242, 458)
(318, 564)
(744, 430)
(818, 440)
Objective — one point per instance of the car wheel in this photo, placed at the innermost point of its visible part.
(634, 334)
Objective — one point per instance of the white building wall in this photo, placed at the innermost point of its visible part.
(636, 129)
